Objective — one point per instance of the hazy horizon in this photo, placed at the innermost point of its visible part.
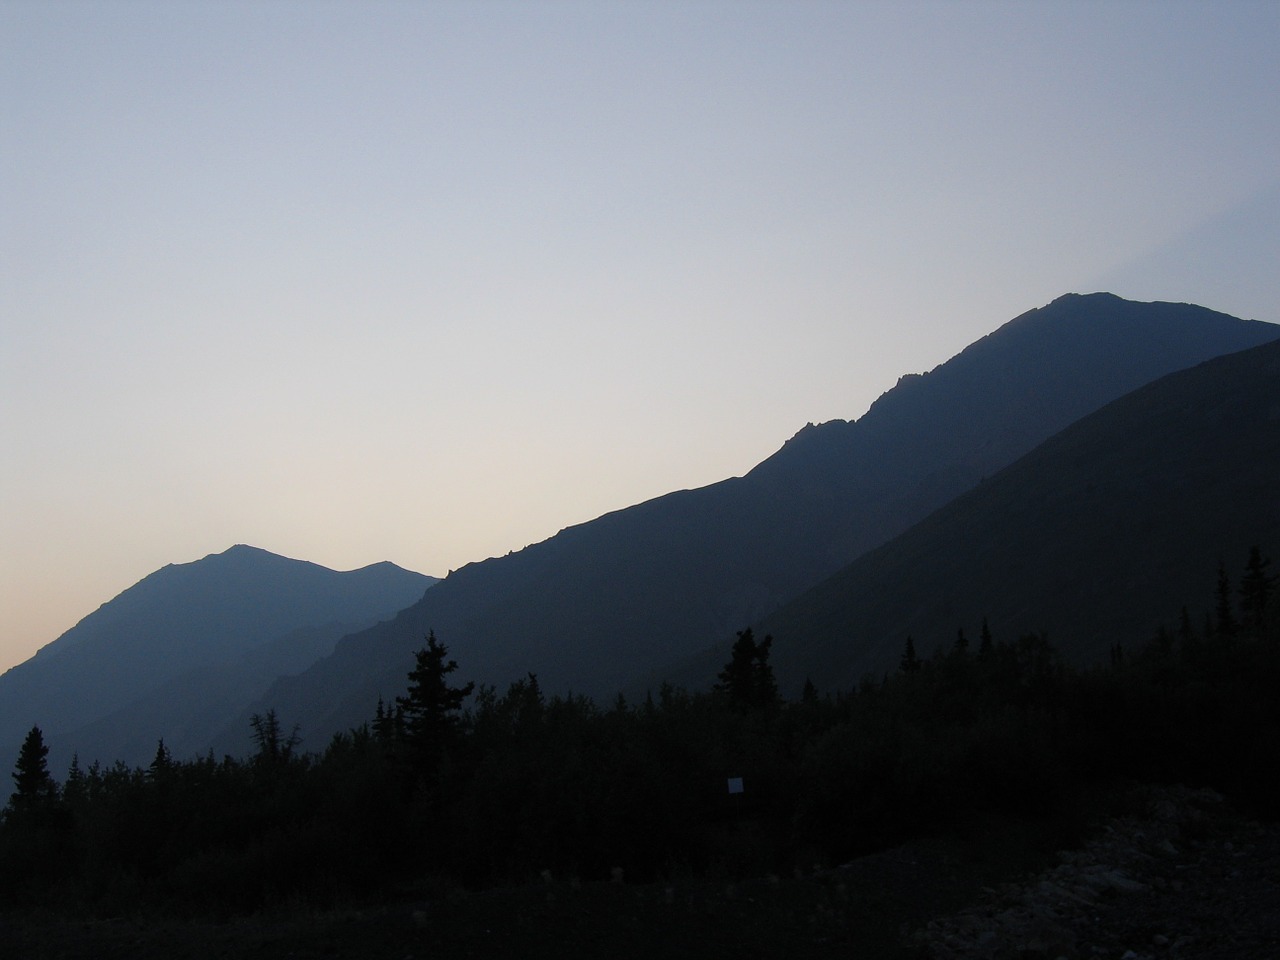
(427, 283)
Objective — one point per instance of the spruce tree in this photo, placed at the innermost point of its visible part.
(163, 762)
(274, 748)
(76, 790)
(737, 676)
(388, 723)
(747, 678)
(985, 644)
(810, 693)
(429, 711)
(909, 663)
(1255, 590)
(765, 689)
(31, 775)
(1226, 621)
(1186, 633)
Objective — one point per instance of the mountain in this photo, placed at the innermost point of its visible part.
(189, 711)
(162, 648)
(600, 605)
(1097, 537)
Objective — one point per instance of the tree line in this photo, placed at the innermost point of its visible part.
(455, 784)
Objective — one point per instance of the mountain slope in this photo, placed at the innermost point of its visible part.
(189, 711)
(1096, 537)
(603, 603)
(187, 617)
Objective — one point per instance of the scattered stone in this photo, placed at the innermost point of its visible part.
(1101, 899)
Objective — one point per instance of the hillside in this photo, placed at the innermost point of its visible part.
(1097, 537)
(600, 605)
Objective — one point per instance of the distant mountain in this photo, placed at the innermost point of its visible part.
(600, 605)
(1096, 537)
(162, 650)
(204, 707)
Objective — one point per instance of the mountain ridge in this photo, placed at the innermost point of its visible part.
(598, 604)
(1144, 497)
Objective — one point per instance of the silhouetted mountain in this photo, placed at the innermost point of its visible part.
(165, 650)
(190, 711)
(602, 604)
(1096, 537)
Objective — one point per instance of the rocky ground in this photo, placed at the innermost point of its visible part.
(1182, 876)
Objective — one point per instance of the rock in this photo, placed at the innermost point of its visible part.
(1098, 901)
(1118, 881)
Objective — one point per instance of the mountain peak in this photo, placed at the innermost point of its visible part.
(241, 548)
(244, 552)
(1098, 296)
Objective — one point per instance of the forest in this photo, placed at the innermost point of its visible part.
(452, 785)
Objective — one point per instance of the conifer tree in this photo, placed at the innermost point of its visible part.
(810, 693)
(1226, 621)
(1255, 590)
(274, 748)
(523, 705)
(1186, 633)
(76, 789)
(162, 763)
(909, 663)
(736, 677)
(766, 687)
(430, 709)
(985, 644)
(388, 723)
(747, 678)
(35, 788)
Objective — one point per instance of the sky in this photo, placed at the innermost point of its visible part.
(428, 282)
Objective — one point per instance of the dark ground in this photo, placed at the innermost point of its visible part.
(1178, 874)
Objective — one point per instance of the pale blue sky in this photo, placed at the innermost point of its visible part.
(427, 282)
